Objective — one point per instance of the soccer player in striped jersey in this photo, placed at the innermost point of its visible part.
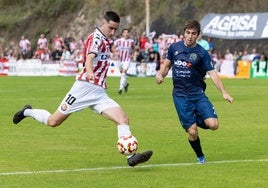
(88, 91)
(124, 46)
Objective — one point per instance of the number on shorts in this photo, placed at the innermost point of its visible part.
(70, 99)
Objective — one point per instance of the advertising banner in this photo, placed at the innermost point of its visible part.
(134, 69)
(235, 25)
(3, 67)
(33, 67)
(227, 69)
(259, 69)
(114, 69)
(243, 69)
(68, 68)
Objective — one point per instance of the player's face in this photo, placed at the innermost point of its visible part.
(125, 34)
(109, 28)
(190, 37)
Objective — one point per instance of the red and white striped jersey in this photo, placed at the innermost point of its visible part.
(124, 47)
(99, 45)
(42, 43)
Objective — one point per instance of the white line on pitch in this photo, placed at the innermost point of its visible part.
(125, 167)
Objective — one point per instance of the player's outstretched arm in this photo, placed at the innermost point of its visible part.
(218, 83)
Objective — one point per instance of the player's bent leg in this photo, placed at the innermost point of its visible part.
(196, 144)
(212, 123)
(56, 119)
(123, 81)
(126, 87)
(116, 114)
(192, 132)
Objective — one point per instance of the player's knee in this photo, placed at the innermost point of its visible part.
(212, 123)
(214, 127)
(53, 123)
(193, 133)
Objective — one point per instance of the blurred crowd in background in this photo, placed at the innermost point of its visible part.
(150, 48)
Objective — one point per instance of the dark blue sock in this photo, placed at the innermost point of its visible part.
(197, 147)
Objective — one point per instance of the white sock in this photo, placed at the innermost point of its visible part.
(123, 81)
(38, 114)
(123, 130)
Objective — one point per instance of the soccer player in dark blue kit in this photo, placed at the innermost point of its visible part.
(190, 63)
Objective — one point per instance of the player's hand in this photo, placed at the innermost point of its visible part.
(90, 76)
(227, 97)
(159, 79)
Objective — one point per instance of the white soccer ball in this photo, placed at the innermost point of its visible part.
(127, 144)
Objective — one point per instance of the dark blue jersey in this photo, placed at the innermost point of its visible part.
(189, 67)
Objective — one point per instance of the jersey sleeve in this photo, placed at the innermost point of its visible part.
(169, 54)
(94, 44)
(207, 62)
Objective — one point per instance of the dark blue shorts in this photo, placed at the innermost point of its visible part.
(193, 109)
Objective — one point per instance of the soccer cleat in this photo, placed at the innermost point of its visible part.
(20, 114)
(201, 160)
(120, 91)
(126, 88)
(138, 158)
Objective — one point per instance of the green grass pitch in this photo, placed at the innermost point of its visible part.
(82, 151)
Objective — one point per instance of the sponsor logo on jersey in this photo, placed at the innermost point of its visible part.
(183, 63)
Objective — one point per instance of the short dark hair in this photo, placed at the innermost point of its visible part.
(193, 24)
(112, 16)
(125, 29)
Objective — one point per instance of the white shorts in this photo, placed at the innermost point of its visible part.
(84, 94)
